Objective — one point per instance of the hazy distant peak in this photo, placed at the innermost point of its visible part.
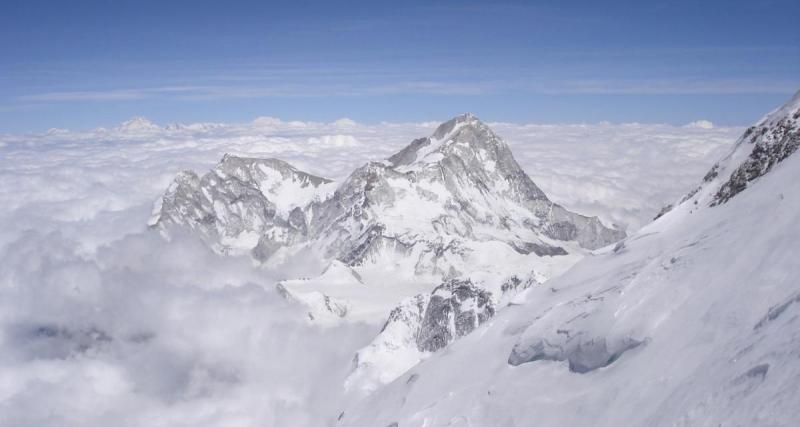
(138, 124)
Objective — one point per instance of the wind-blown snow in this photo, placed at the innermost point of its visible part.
(104, 323)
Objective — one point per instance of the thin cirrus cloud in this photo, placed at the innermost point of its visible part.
(683, 87)
(237, 92)
(429, 87)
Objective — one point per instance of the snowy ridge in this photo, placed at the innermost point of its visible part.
(762, 146)
(690, 321)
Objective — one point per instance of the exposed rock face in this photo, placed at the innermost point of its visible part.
(773, 141)
(426, 203)
(427, 323)
(455, 309)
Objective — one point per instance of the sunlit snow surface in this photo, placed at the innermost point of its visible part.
(712, 294)
(104, 323)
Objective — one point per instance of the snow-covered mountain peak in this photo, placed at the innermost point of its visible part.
(461, 184)
(464, 136)
(448, 128)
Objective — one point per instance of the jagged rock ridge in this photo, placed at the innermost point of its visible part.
(773, 139)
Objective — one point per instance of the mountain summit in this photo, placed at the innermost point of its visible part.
(429, 204)
(438, 194)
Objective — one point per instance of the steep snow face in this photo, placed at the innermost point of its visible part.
(690, 321)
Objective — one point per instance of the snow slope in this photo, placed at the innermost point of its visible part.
(691, 321)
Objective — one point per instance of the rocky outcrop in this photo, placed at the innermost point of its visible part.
(454, 309)
(427, 323)
(761, 148)
(773, 141)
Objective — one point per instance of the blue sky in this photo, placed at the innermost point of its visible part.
(82, 64)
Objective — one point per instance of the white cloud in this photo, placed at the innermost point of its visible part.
(147, 332)
(623, 173)
(345, 122)
(666, 86)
